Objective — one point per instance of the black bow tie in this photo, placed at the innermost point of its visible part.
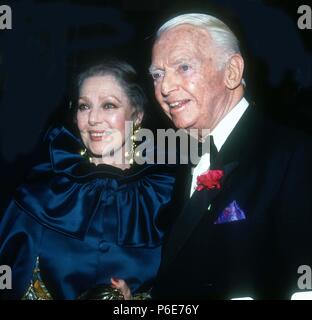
(206, 146)
(213, 153)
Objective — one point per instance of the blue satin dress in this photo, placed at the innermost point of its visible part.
(86, 223)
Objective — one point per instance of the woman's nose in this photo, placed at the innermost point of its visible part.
(95, 116)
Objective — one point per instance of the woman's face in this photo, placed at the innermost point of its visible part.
(103, 108)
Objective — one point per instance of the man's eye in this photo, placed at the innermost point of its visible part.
(83, 106)
(184, 67)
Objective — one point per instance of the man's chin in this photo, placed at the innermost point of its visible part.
(182, 124)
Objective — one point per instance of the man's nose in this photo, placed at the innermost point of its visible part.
(95, 116)
(169, 84)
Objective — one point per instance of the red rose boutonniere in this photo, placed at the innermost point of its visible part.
(209, 180)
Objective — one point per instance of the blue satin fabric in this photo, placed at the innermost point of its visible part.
(87, 223)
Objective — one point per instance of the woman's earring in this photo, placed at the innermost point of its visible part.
(84, 153)
(131, 154)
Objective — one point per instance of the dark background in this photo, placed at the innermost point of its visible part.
(50, 39)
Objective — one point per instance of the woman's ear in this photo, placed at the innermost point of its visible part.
(137, 118)
(234, 71)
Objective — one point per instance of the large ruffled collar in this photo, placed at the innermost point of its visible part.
(64, 191)
(64, 151)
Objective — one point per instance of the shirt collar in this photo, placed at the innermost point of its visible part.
(223, 129)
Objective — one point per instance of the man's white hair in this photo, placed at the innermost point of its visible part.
(224, 39)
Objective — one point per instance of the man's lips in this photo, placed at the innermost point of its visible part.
(177, 105)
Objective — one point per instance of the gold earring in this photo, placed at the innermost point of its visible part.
(84, 153)
(130, 155)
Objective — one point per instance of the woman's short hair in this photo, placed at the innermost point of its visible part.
(123, 72)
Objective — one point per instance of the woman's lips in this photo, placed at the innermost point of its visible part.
(98, 135)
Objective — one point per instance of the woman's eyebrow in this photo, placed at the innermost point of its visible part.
(152, 69)
(84, 98)
(109, 97)
(101, 98)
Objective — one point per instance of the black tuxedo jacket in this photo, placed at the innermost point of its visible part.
(268, 172)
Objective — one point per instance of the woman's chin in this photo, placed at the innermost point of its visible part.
(97, 152)
(106, 156)
(102, 150)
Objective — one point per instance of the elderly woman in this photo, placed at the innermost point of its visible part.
(82, 218)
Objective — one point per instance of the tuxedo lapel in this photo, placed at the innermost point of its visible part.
(195, 208)
(185, 223)
(247, 135)
(182, 187)
(188, 184)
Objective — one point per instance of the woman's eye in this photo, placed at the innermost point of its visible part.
(109, 106)
(156, 75)
(82, 107)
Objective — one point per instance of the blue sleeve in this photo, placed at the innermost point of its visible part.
(19, 245)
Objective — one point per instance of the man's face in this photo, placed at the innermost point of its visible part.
(189, 85)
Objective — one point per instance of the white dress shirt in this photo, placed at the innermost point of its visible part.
(220, 133)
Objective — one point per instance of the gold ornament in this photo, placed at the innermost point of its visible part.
(132, 154)
(84, 153)
(37, 289)
(102, 292)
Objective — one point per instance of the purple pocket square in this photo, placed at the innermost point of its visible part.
(231, 213)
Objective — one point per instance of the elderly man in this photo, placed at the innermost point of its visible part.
(243, 229)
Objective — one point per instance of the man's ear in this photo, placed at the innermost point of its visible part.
(234, 71)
